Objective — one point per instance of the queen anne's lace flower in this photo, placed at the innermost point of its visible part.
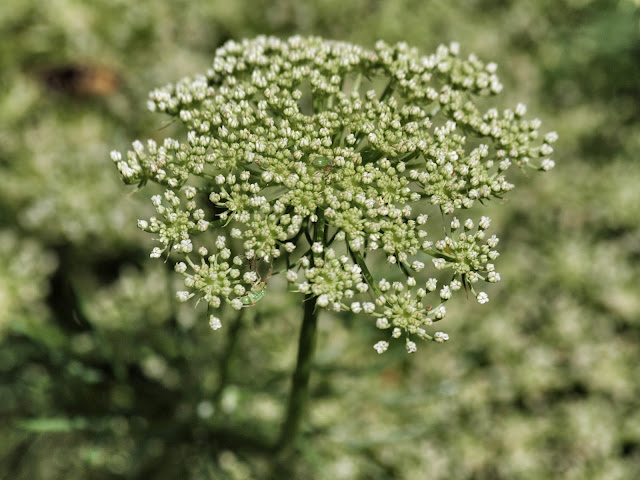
(312, 153)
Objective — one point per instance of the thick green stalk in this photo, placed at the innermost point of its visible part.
(299, 395)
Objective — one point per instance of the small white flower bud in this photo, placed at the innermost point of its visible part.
(323, 300)
(417, 266)
(183, 296)
(291, 275)
(215, 323)
(382, 323)
(368, 307)
(439, 263)
(440, 312)
(381, 346)
(551, 137)
(547, 164)
(493, 277)
(482, 298)
(440, 337)
(250, 277)
(236, 304)
(445, 293)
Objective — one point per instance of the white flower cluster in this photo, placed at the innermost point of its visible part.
(295, 148)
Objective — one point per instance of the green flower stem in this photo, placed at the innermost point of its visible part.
(359, 259)
(356, 83)
(320, 228)
(437, 254)
(333, 237)
(388, 91)
(299, 395)
(404, 269)
(307, 235)
(411, 156)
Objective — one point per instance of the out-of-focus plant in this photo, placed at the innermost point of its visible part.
(311, 155)
(23, 282)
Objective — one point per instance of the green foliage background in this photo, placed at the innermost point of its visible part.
(104, 376)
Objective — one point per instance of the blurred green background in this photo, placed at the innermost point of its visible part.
(104, 376)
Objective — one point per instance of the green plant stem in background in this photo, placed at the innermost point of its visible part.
(299, 395)
(232, 340)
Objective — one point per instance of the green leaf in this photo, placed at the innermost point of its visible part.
(53, 425)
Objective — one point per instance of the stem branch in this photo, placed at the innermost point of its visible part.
(357, 257)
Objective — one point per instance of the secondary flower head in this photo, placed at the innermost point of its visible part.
(313, 153)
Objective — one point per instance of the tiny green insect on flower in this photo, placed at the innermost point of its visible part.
(320, 162)
(255, 294)
(253, 297)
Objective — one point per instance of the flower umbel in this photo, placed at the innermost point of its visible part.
(313, 154)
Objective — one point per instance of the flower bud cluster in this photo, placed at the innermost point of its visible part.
(313, 153)
(179, 223)
(331, 279)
